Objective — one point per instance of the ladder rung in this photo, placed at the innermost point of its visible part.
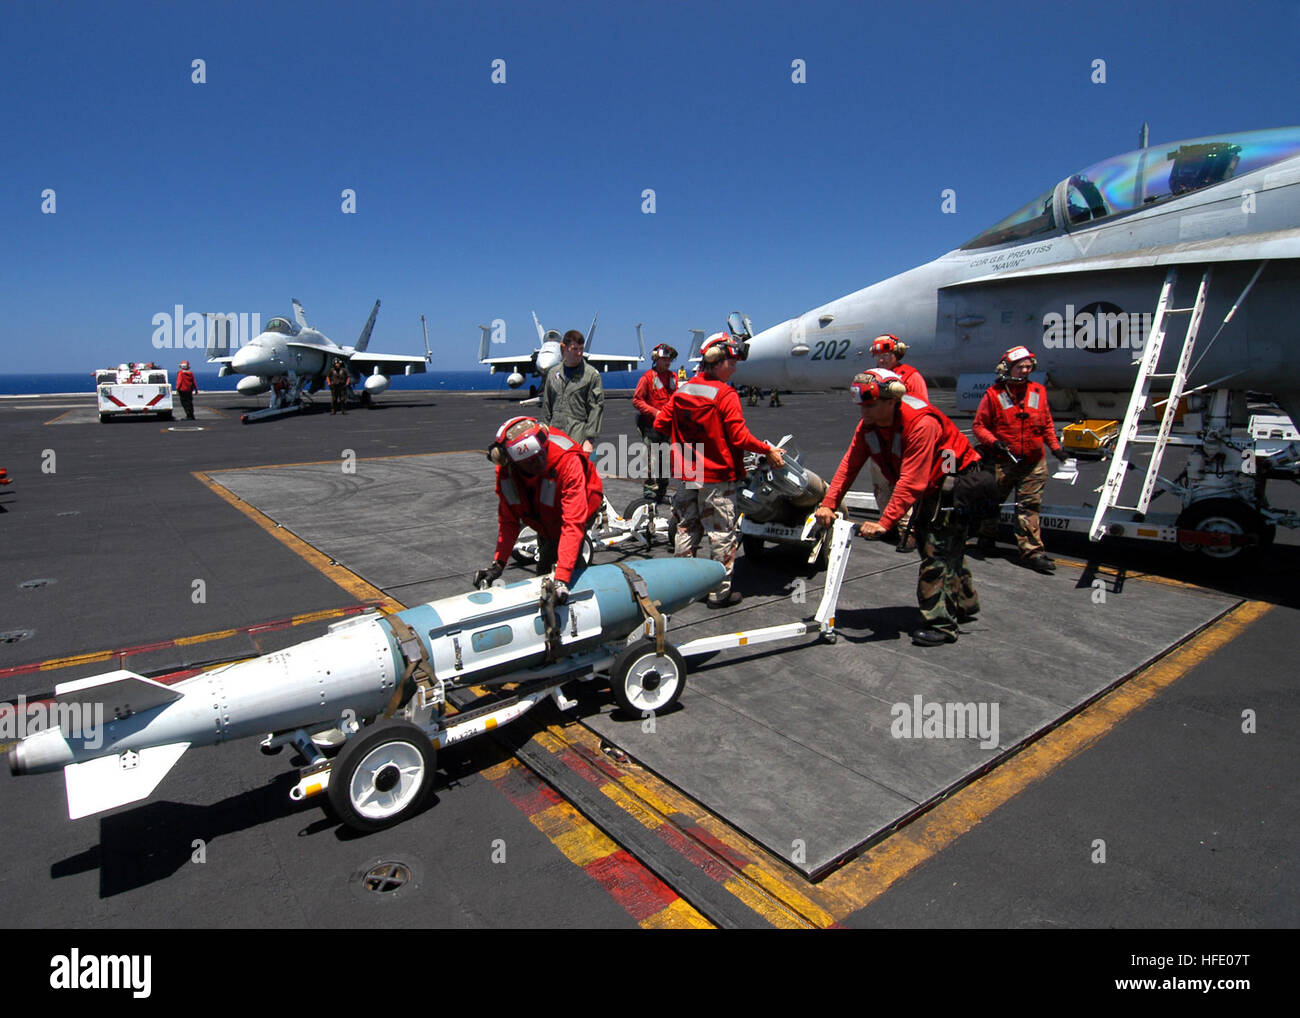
(1179, 311)
(1163, 374)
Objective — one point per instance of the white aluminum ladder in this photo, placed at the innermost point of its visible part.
(1146, 374)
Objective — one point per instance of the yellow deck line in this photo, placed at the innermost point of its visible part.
(345, 578)
(862, 881)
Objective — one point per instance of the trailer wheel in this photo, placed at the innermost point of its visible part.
(652, 527)
(1225, 516)
(753, 546)
(167, 415)
(382, 776)
(103, 418)
(644, 680)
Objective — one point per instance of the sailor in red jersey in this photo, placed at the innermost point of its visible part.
(1015, 422)
(709, 441)
(186, 387)
(544, 481)
(931, 467)
(653, 392)
(889, 352)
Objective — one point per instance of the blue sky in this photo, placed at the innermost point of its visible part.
(477, 201)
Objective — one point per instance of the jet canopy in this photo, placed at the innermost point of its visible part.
(280, 325)
(1142, 178)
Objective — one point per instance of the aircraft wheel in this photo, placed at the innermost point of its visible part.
(644, 680)
(103, 418)
(753, 546)
(1225, 516)
(382, 776)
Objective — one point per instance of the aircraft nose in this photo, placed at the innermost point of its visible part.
(251, 360)
(547, 359)
(768, 362)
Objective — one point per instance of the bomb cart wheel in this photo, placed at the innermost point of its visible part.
(654, 531)
(1231, 518)
(644, 680)
(753, 546)
(382, 776)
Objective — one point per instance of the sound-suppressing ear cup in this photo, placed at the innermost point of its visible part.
(897, 390)
(496, 454)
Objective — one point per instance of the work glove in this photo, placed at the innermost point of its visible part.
(1060, 455)
(1002, 450)
(484, 578)
(561, 592)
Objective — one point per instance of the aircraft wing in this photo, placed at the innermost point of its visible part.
(388, 363)
(524, 365)
(613, 362)
(1278, 244)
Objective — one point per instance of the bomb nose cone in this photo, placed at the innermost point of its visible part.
(679, 581)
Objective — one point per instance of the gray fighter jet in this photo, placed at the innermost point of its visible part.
(1190, 247)
(299, 357)
(1071, 274)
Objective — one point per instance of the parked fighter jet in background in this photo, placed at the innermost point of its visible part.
(547, 355)
(301, 356)
(1075, 275)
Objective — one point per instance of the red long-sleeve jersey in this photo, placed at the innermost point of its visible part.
(652, 394)
(557, 503)
(914, 452)
(708, 433)
(1024, 422)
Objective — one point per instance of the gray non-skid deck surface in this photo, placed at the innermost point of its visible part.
(790, 742)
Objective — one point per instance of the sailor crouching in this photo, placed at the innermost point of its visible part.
(932, 468)
(543, 481)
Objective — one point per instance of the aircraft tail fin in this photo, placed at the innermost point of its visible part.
(363, 340)
(640, 343)
(110, 781)
(216, 335)
(591, 333)
(299, 313)
(484, 343)
(428, 354)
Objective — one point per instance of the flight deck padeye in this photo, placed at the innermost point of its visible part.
(379, 685)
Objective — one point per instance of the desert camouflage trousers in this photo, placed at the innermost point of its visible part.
(708, 512)
(1028, 480)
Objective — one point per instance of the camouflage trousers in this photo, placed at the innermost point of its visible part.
(708, 512)
(945, 589)
(1028, 480)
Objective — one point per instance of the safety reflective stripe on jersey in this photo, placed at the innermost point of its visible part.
(698, 389)
(547, 491)
(913, 402)
(1005, 400)
(509, 490)
(561, 440)
(1033, 400)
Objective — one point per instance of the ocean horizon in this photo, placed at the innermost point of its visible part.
(53, 383)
